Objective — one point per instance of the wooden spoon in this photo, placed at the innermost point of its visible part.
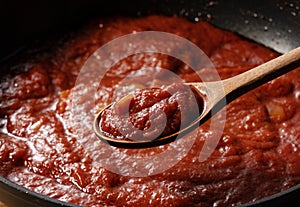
(215, 96)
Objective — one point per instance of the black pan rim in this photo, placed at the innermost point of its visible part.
(58, 203)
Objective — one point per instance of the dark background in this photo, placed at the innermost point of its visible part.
(272, 22)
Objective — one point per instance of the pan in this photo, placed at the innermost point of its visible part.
(273, 23)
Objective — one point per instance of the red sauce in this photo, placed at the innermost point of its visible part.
(257, 155)
(150, 113)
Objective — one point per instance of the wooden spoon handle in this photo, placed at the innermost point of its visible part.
(240, 84)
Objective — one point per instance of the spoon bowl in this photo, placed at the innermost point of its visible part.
(215, 96)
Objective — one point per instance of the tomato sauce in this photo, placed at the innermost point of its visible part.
(150, 113)
(257, 155)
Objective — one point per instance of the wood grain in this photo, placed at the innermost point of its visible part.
(2, 204)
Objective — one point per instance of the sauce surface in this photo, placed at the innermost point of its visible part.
(150, 113)
(257, 155)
